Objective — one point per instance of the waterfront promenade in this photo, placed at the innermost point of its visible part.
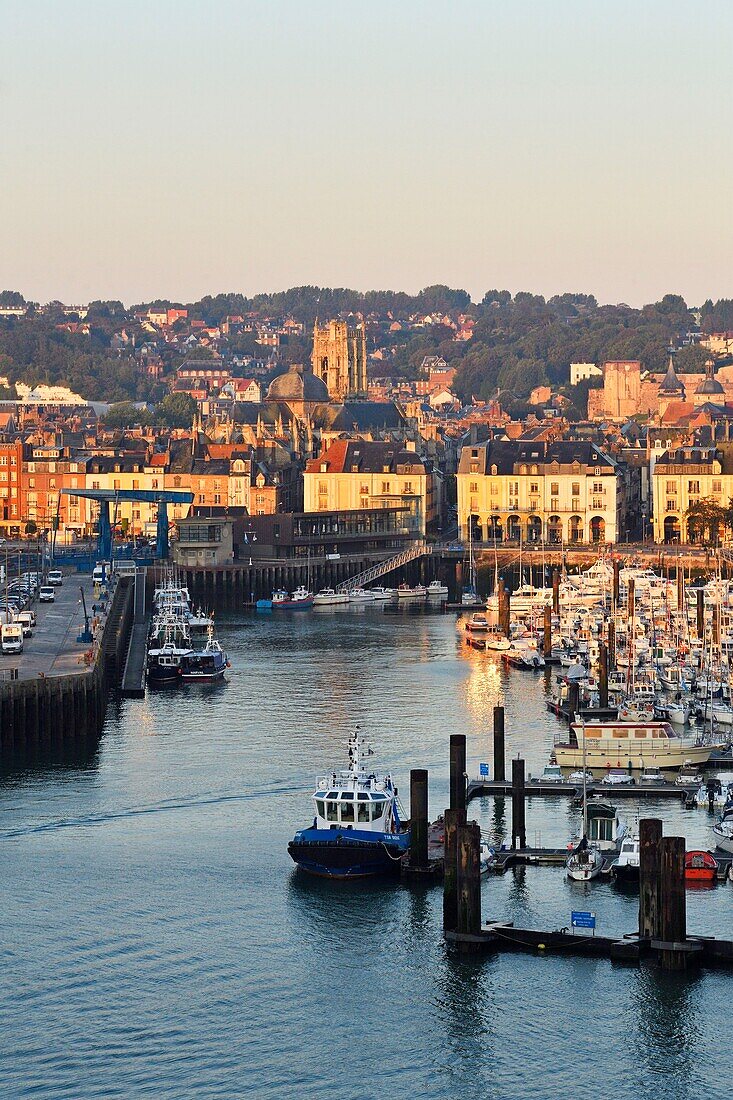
(53, 649)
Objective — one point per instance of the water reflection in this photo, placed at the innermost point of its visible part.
(664, 1030)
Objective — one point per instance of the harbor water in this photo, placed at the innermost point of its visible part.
(158, 941)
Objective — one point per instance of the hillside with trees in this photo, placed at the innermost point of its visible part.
(519, 341)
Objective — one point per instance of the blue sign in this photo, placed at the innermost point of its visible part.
(484, 770)
(583, 920)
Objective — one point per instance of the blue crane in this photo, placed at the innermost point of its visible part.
(105, 497)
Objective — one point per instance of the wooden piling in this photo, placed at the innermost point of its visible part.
(499, 759)
(468, 884)
(458, 771)
(452, 820)
(418, 818)
(681, 605)
(700, 614)
(673, 905)
(519, 831)
(555, 592)
(603, 675)
(650, 839)
(547, 631)
(611, 644)
(573, 700)
(716, 624)
(616, 582)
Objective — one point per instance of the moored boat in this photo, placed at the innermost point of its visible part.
(329, 597)
(358, 829)
(625, 868)
(436, 588)
(300, 600)
(204, 666)
(360, 595)
(404, 592)
(700, 866)
(630, 745)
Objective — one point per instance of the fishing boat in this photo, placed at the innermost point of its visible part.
(164, 663)
(329, 597)
(435, 588)
(700, 866)
(359, 829)
(300, 600)
(204, 666)
(624, 745)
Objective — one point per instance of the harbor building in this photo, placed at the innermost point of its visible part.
(684, 476)
(339, 359)
(559, 492)
(361, 474)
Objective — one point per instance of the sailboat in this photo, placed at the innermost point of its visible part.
(585, 862)
(469, 596)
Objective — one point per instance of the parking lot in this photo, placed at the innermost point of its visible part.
(53, 650)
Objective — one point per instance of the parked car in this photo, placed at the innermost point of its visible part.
(47, 594)
(55, 577)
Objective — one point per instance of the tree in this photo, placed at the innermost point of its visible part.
(177, 410)
(706, 519)
(126, 415)
(12, 298)
(31, 528)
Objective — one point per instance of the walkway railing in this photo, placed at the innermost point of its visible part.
(375, 571)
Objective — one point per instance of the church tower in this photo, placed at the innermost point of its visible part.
(339, 359)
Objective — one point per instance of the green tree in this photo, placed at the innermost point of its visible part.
(177, 410)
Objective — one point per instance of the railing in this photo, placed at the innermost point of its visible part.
(376, 571)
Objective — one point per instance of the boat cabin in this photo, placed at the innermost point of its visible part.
(353, 809)
(604, 828)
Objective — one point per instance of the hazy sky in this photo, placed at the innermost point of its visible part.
(181, 147)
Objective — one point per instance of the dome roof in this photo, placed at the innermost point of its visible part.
(297, 384)
(711, 385)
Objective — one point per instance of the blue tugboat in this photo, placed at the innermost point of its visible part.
(358, 830)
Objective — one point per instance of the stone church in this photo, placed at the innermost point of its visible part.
(339, 359)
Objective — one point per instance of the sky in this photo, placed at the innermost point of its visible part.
(176, 148)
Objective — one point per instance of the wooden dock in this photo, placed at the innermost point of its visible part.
(480, 788)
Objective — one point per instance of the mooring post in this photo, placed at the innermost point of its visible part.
(700, 614)
(519, 832)
(458, 771)
(468, 844)
(547, 631)
(499, 764)
(631, 600)
(418, 818)
(612, 644)
(603, 675)
(555, 592)
(681, 605)
(673, 905)
(616, 583)
(716, 624)
(452, 819)
(573, 700)
(650, 839)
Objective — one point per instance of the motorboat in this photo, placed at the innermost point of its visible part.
(436, 588)
(617, 777)
(404, 592)
(359, 829)
(723, 830)
(552, 773)
(630, 745)
(523, 656)
(470, 597)
(580, 776)
(478, 624)
(625, 868)
(380, 593)
(652, 775)
(700, 866)
(360, 595)
(329, 597)
(605, 827)
(497, 642)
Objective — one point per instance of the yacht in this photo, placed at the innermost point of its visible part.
(359, 829)
(360, 595)
(329, 597)
(379, 593)
(585, 862)
(404, 592)
(477, 624)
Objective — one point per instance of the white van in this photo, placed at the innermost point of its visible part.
(101, 572)
(28, 621)
(11, 638)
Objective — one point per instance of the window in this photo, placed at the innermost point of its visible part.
(473, 487)
(31, 483)
(494, 489)
(408, 487)
(115, 485)
(671, 487)
(671, 506)
(597, 486)
(155, 483)
(717, 486)
(693, 486)
(217, 498)
(513, 488)
(377, 810)
(177, 482)
(332, 813)
(534, 487)
(523, 469)
(320, 809)
(95, 485)
(576, 489)
(385, 487)
(135, 484)
(363, 811)
(554, 488)
(322, 488)
(364, 490)
(347, 811)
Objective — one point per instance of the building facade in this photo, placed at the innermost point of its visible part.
(339, 359)
(684, 476)
(359, 474)
(559, 492)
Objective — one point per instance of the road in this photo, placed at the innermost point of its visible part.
(53, 649)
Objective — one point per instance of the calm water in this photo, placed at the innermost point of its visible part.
(157, 940)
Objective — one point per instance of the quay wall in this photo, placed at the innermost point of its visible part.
(58, 719)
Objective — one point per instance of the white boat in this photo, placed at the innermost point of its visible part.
(379, 593)
(435, 588)
(638, 745)
(552, 773)
(723, 831)
(404, 592)
(498, 642)
(478, 624)
(360, 595)
(580, 776)
(625, 868)
(329, 597)
(585, 862)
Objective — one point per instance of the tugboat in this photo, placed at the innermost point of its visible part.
(204, 666)
(358, 830)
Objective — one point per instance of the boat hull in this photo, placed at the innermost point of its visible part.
(625, 872)
(621, 756)
(336, 855)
